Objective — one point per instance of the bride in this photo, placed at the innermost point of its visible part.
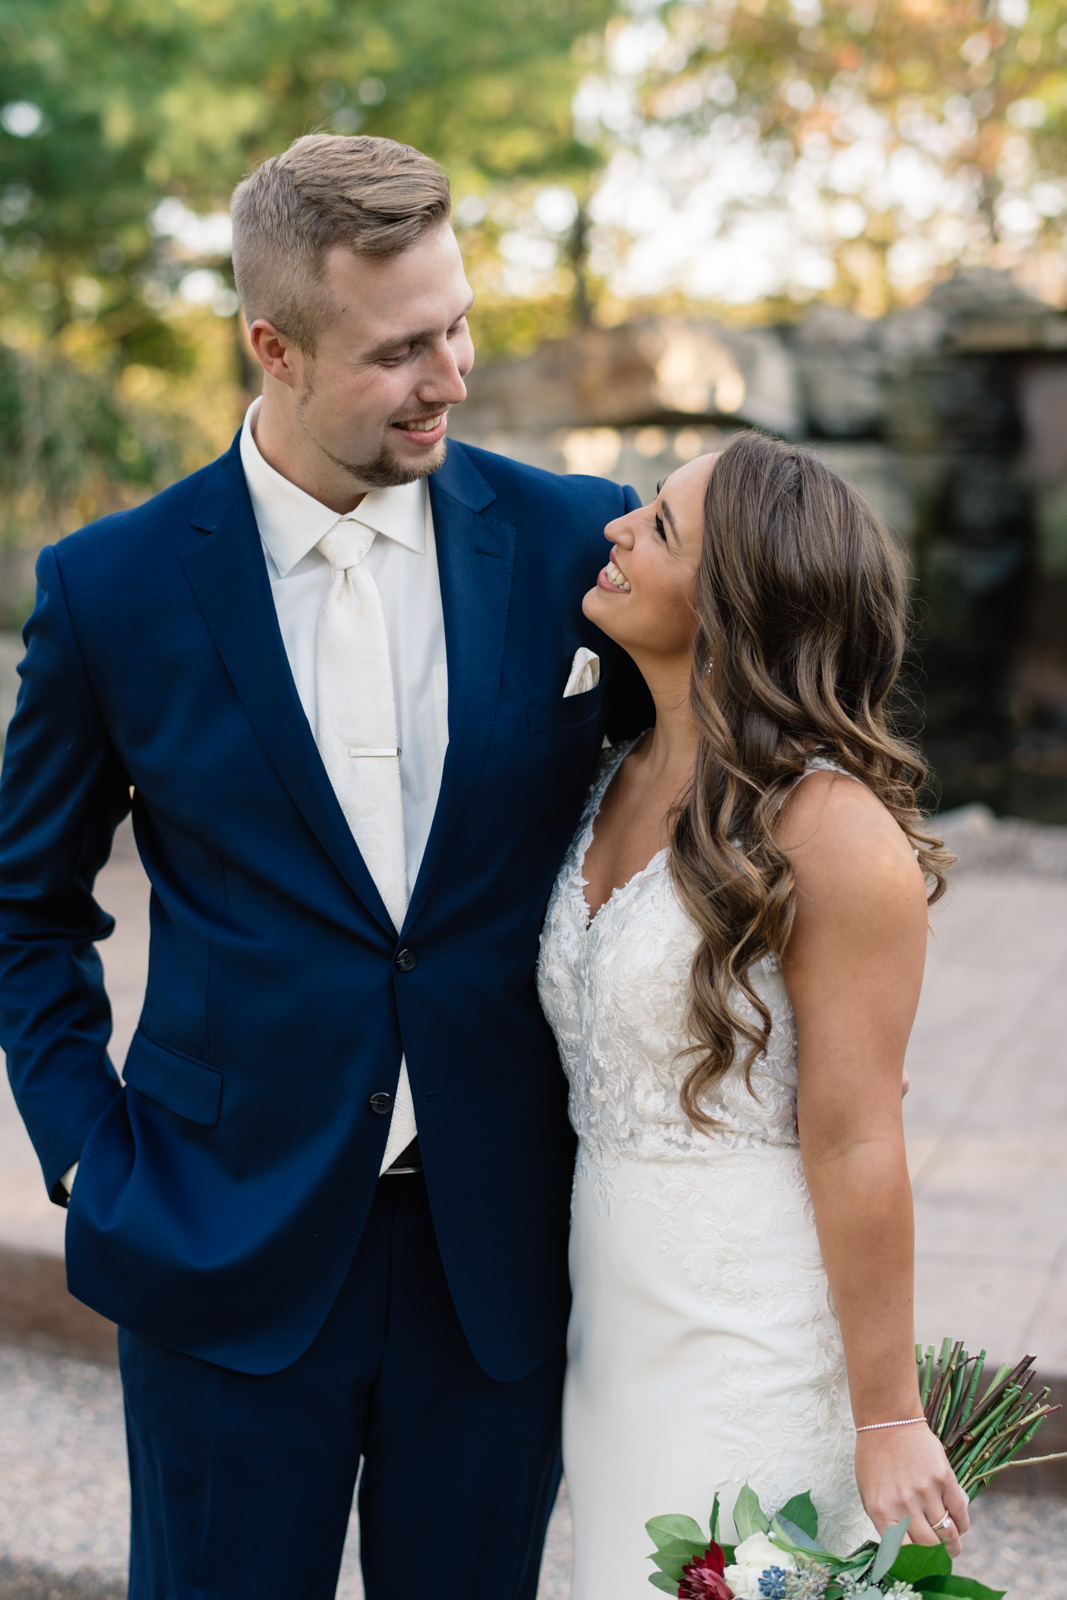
(731, 963)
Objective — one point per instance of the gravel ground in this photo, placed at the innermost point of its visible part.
(64, 1506)
(986, 843)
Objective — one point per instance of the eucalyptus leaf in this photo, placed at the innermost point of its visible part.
(889, 1549)
(663, 1530)
(920, 1561)
(749, 1517)
(794, 1536)
(801, 1511)
(660, 1580)
(714, 1524)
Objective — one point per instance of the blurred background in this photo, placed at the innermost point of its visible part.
(842, 223)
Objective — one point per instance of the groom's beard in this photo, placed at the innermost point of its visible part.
(383, 471)
(386, 471)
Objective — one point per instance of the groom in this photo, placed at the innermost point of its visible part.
(328, 1206)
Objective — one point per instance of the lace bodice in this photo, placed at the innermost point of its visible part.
(616, 992)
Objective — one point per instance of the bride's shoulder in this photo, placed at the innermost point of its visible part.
(846, 847)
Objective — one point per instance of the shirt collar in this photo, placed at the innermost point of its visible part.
(291, 522)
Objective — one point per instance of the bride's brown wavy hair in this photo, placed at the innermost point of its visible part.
(801, 604)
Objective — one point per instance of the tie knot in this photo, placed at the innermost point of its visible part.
(346, 544)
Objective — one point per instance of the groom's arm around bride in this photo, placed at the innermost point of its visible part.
(326, 674)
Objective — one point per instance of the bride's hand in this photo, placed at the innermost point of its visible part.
(904, 1472)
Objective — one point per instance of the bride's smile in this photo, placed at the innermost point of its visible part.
(642, 596)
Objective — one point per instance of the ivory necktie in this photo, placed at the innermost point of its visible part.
(357, 739)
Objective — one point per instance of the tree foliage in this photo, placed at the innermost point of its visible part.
(904, 135)
(110, 107)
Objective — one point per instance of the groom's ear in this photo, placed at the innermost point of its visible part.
(276, 353)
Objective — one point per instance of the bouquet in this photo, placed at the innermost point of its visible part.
(778, 1556)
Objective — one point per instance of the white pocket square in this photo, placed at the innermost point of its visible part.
(585, 672)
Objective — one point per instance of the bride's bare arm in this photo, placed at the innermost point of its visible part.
(854, 970)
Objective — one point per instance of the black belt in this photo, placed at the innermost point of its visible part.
(409, 1160)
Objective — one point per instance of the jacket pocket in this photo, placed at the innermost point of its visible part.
(567, 712)
(179, 1083)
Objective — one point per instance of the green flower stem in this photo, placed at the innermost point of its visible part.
(979, 1368)
(993, 1396)
(1027, 1461)
(958, 1384)
(982, 1435)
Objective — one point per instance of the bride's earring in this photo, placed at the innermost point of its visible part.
(711, 663)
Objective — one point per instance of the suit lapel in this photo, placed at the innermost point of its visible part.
(229, 579)
(475, 558)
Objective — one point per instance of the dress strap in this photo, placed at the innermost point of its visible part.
(611, 759)
(818, 764)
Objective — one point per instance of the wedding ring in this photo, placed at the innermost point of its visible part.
(945, 1520)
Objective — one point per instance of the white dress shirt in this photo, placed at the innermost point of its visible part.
(403, 562)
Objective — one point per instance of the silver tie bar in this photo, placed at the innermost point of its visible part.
(373, 750)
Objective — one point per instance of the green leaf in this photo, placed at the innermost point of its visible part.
(953, 1584)
(801, 1511)
(889, 1549)
(749, 1517)
(676, 1555)
(664, 1530)
(920, 1561)
(660, 1580)
(714, 1523)
(729, 1552)
(859, 1560)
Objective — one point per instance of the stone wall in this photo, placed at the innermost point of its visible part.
(951, 417)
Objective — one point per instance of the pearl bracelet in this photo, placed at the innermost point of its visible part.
(869, 1427)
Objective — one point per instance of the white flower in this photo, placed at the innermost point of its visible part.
(751, 1559)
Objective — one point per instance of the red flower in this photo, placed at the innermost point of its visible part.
(703, 1578)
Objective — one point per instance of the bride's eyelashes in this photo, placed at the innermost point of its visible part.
(660, 529)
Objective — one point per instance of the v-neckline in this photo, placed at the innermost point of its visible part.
(591, 916)
(652, 864)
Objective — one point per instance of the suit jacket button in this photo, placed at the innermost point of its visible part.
(406, 960)
(381, 1103)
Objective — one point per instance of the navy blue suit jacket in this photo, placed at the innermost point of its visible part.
(223, 1188)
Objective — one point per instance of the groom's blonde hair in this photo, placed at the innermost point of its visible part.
(374, 196)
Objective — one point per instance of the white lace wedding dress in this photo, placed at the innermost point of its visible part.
(704, 1351)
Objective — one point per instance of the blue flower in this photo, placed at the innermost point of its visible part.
(772, 1583)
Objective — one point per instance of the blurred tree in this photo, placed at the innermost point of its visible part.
(124, 125)
(901, 135)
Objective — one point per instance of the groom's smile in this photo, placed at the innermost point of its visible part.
(423, 431)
